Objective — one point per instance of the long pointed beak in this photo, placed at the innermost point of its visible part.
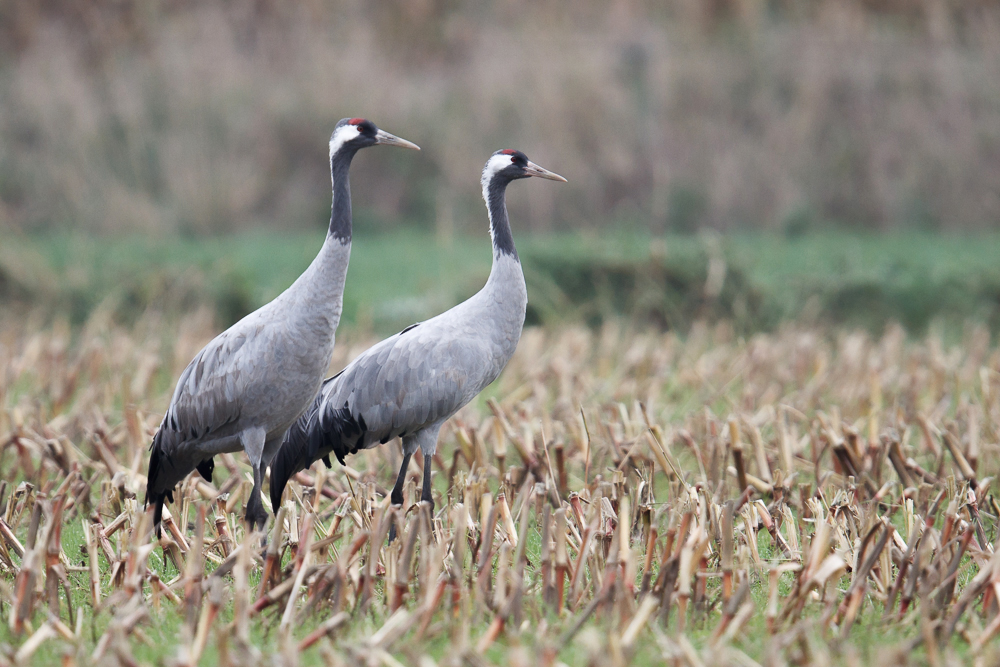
(534, 170)
(382, 137)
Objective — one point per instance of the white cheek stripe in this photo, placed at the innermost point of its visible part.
(342, 135)
(495, 164)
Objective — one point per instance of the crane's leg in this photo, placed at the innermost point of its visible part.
(397, 491)
(256, 514)
(253, 445)
(426, 493)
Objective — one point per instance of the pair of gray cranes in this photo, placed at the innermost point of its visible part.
(258, 386)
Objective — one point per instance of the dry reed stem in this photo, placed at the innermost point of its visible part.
(636, 523)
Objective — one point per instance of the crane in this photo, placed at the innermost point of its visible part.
(408, 385)
(252, 381)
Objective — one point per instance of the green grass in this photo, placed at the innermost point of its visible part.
(395, 279)
(868, 279)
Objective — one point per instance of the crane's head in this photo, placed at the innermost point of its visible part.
(509, 165)
(352, 134)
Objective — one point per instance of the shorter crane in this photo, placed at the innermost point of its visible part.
(408, 385)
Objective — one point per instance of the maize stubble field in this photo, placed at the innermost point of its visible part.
(619, 496)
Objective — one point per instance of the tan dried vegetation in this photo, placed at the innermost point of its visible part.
(166, 117)
(795, 498)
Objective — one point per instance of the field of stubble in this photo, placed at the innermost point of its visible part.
(617, 497)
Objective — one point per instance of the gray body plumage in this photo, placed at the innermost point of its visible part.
(249, 384)
(408, 385)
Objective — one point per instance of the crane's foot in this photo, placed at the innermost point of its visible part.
(425, 493)
(427, 497)
(253, 526)
(429, 506)
(392, 526)
(256, 516)
(396, 498)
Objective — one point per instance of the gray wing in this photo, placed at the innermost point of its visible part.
(206, 405)
(417, 378)
(208, 397)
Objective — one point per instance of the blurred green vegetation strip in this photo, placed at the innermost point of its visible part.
(756, 280)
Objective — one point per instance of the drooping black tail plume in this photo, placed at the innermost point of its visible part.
(156, 465)
(312, 438)
(205, 469)
(159, 499)
(292, 456)
(162, 468)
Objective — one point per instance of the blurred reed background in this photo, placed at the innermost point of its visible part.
(198, 118)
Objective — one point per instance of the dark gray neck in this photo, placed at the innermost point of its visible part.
(340, 215)
(496, 203)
